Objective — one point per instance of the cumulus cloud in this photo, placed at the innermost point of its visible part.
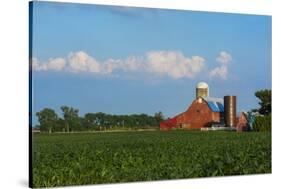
(82, 62)
(35, 64)
(133, 63)
(161, 63)
(56, 64)
(221, 71)
(174, 64)
(224, 58)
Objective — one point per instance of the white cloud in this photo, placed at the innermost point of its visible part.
(133, 63)
(221, 71)
(162, 63)
(224, 58)
(82, 62)
(173, 64)
(110, 65)
(35, 64)
(56, 64)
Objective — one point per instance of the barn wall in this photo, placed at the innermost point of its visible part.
(197, 116)
(168, 124)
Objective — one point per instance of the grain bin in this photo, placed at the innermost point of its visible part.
(230, 111)
(202, 90)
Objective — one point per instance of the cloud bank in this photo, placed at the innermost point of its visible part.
(221, 71)
(172, 64)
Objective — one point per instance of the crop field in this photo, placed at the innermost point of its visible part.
(94, 158)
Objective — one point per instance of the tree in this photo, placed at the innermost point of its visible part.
(47, 119)
(89, 121)
(60, 125)
(71, 117)
(159, 117)
(262, 123)
(265, 101)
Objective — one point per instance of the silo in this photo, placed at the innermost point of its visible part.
(230, 111)
(202, 90)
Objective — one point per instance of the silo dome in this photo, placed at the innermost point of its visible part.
(202, 90)
(202, 85)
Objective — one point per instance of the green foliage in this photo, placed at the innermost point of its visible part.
(265, 101)
(93, 158)
(159, 116)
(262, 123)
(101, 121)
(47, 119)
(71, 118)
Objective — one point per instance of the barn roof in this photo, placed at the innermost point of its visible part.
(215, 104)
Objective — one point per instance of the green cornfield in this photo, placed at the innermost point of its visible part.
(94, 158)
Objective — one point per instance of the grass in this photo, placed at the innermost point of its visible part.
(94, 158)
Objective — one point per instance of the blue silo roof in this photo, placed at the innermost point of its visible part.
(215, 104)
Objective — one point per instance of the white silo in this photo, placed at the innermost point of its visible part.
(202, 90)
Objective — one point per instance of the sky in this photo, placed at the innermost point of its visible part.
(125, 60)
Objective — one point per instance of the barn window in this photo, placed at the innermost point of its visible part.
(198, 111)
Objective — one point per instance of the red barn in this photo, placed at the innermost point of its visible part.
(205, 111)
(202, 112)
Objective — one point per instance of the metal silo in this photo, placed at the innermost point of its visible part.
(230, 111)
(202, 90)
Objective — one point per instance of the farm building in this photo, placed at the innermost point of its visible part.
(242, 122)
(206, 112)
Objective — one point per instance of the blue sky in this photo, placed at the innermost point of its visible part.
(124, 60)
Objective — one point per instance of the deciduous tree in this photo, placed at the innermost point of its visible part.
(265, 101)
(71, 117)
(47, 119)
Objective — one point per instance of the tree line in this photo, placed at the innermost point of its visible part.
(49, 121)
